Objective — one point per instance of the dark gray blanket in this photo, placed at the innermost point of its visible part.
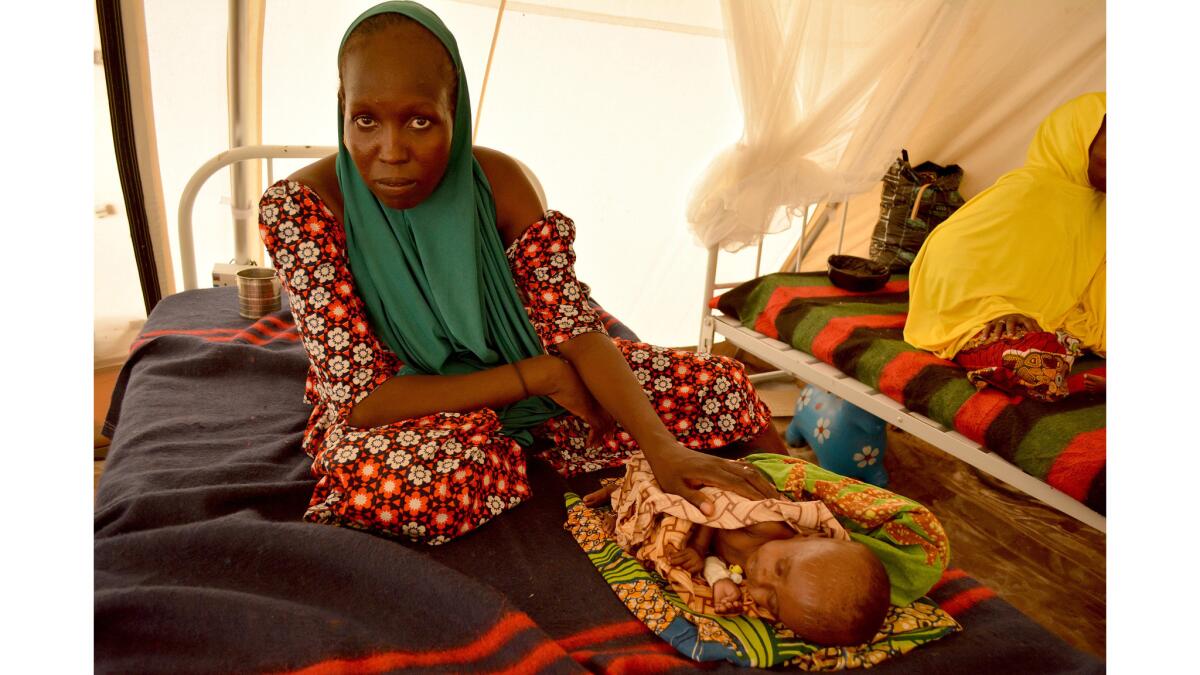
(203, 565)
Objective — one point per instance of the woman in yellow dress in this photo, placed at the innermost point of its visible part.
(1012, 286)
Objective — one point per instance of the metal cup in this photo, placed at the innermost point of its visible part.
(258, 292)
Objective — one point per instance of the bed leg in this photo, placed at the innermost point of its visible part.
(707, 332)
(707, 325)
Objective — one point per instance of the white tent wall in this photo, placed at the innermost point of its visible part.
(617, 123)
(186, 42)
(1020, 60)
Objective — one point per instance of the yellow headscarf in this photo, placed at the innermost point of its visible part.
(1033, 243)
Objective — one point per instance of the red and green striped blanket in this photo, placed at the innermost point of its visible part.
(1061, 443)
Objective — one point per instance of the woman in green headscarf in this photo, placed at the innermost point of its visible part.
(438, 305)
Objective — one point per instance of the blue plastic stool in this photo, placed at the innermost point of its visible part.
(847, 440)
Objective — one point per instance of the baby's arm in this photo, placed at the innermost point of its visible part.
(726, 595)
(691, 556)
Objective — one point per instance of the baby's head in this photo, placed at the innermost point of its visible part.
(828, 591)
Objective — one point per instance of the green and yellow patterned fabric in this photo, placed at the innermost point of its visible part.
(907, 538)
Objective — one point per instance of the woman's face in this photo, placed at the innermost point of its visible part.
(398, 113)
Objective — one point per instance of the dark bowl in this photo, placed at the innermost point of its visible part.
(861, 275)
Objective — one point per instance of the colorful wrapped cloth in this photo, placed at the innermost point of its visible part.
(1032, 244)
(905, 536)
(649, 522)
(1035, 364)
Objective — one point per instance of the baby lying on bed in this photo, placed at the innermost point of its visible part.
(777, 559)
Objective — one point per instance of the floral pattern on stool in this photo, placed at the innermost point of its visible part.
(847, 440)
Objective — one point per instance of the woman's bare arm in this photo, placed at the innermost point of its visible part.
(407, 396)
(678, 470)
(609, 389)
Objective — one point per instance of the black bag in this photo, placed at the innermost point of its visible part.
(914, 201)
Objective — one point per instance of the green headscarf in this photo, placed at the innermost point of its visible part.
(434, 278)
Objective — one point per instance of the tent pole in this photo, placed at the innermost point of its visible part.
(815, 217)
(803, 227)
(487, 71)
(131, 111)
(707, 326)
(845, 210)
(243, 61)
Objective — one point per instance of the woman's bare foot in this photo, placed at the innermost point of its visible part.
(1093, 383)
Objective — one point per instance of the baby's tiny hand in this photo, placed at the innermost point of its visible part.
(687, 558)
(600, 497)
(727, 597)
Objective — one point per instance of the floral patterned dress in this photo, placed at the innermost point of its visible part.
(437, 477)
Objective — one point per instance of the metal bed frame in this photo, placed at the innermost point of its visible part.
(793, 363)
(245, 153)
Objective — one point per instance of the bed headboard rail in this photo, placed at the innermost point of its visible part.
(187, 250)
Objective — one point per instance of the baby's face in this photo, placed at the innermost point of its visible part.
(782, 575)
(769, 572)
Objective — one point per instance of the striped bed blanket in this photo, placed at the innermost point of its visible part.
(202, 562)
(861, 334)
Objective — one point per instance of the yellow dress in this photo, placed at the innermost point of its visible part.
(1033, 243)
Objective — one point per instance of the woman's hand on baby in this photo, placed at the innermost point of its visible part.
(1008, 325)
(727, 597)
(683, 472)
(687, 558)
(557, 379)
